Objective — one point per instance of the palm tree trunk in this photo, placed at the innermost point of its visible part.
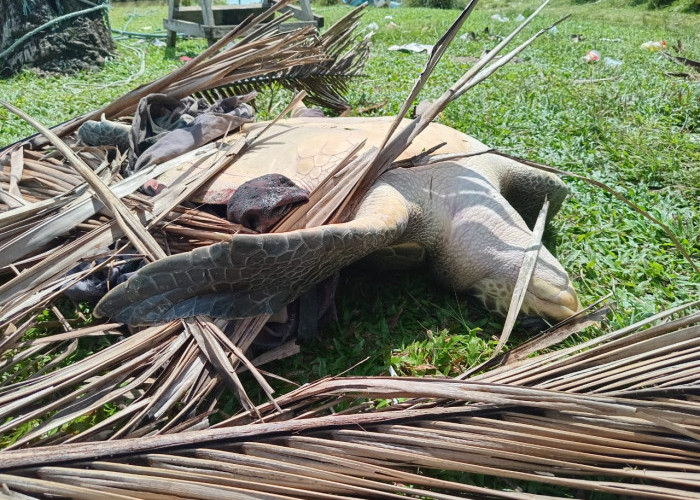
(55, 36)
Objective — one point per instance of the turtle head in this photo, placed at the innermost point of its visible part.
(482, 245)
(552, 301)
(549, 295)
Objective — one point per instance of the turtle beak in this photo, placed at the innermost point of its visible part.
(552, 302)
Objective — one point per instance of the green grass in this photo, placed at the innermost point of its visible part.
(639, 133)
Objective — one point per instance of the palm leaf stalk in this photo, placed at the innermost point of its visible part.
(561, 431)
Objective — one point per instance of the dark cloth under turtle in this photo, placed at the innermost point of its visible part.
(96, 285)
(259, 204)
(306, 317)
(165, 127)
(262, 202)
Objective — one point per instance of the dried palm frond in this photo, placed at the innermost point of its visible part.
(56, 224)
(617, 415)
(259, 51)
(161, 378)
(324, 82)
(550, 427)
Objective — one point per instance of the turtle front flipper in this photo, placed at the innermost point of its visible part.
(254, 274)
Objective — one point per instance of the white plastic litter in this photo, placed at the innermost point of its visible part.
(500, 18)
(520, 18)
(612, 63)
(159, 43)
(412, 47)
(373, 27)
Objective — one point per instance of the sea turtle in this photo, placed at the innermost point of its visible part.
(468, 218)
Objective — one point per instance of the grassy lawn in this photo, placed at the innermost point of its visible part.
(637, 130)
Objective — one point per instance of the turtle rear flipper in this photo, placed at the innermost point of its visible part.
(254, 274)
(105, 133)
(524, 187)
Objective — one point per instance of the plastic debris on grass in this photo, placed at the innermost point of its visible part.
(654, 45)
(392, 4)
(592, 56)
(412, 47)
(612, 63)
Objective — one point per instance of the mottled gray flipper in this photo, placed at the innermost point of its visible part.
(105, 133)
(526, 188)
(402, 257)
(253, 274)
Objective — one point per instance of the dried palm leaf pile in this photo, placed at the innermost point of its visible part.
(55, 223)
(617, 416)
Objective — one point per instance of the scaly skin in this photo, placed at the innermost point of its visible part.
(458, 211)
(105, 133)
(252, 274)
(475, 240)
